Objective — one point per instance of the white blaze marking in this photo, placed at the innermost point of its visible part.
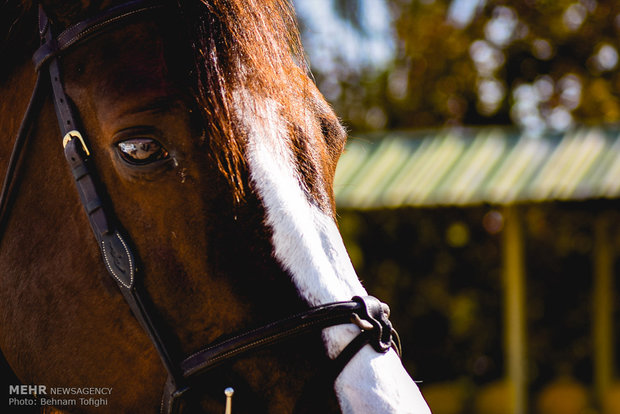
(308, 244)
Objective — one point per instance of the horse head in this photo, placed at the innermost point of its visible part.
(213, 155)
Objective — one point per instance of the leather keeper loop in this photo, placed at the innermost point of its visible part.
(373, 311)
(79, 171)
(46, 51)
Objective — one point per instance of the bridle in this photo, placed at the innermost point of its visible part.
(368, 313)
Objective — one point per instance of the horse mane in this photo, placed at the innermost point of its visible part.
(248, 45)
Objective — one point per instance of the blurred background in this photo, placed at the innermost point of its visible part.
(480, 188)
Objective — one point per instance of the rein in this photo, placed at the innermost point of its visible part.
(368, 313)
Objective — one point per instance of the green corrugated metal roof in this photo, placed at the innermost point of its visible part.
(473, 166)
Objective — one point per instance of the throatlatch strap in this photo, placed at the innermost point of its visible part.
(9, 185)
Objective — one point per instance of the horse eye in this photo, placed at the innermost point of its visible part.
(141, 151)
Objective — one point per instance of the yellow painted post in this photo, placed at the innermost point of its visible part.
(602, 315)
(514, 309)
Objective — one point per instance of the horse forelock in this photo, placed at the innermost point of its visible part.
(252, 46)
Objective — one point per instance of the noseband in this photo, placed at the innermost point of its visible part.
(366, 312)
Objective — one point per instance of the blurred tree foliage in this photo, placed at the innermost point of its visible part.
(440, 271)
(540, 64)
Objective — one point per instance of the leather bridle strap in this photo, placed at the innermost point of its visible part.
(10, 176)
(115, 249)
(85, 29)
(367, 312)
(367, 308)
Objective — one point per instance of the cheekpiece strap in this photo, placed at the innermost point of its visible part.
(114, 245)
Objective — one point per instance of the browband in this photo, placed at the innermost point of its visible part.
(87, 28)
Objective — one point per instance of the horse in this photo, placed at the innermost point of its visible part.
(204, 157)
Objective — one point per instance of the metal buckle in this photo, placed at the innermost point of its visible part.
(75, 134)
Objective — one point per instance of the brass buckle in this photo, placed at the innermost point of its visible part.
(75, 134)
